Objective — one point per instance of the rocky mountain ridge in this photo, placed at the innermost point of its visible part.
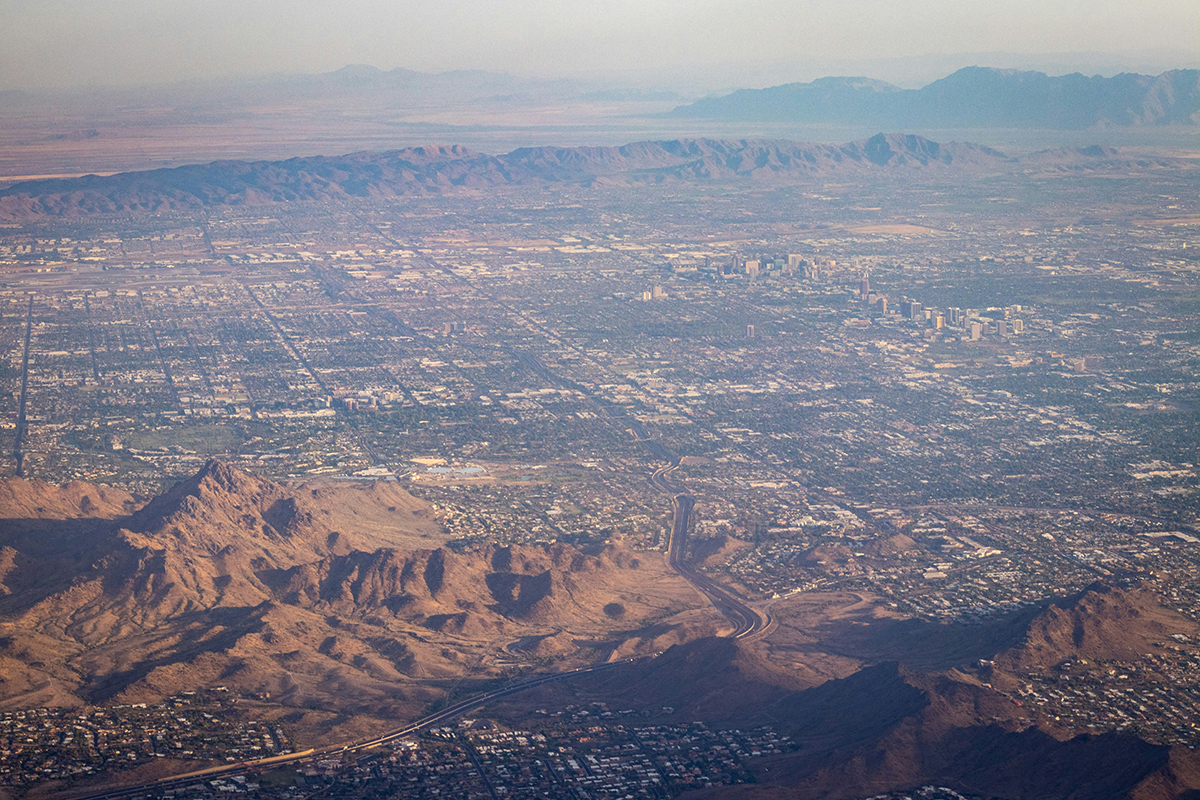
(341, 603)
(447, 169)
(324, 595)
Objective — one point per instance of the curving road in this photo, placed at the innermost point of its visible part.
(748, 622)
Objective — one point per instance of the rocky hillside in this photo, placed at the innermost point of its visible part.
(335, 597)
(883, 725)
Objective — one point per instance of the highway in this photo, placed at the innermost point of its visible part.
(243, 767)
(747, 622)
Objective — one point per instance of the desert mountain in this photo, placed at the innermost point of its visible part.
(447, 168)
(973, 97)
(339, 602)
(327, 596)
(32, 499)
(442, 169)
(876, 725)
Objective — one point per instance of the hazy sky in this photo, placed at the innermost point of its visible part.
(106, 42)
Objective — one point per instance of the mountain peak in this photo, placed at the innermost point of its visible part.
(221, 472)
(217, 487)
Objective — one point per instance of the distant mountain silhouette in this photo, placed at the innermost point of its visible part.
(354, 83)
(438, 169)
(973, 97)
(444, 169)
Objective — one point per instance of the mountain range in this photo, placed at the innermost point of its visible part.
(343, 603)
(973, 97)
(440, 169)
(332, 597)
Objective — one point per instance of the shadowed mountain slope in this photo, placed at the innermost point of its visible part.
(887, 726)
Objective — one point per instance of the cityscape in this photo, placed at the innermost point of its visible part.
(953, 401)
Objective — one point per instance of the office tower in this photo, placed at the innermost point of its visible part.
(1018, 326)
(749, 331)
(864, 287)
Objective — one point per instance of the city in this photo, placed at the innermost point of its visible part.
(952, 401)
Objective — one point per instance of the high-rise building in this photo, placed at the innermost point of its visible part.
(864, 287)
(1018, 326)
(976, 330)
(659, 293)
(911, 309)
(749, 331)
(752, 268)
